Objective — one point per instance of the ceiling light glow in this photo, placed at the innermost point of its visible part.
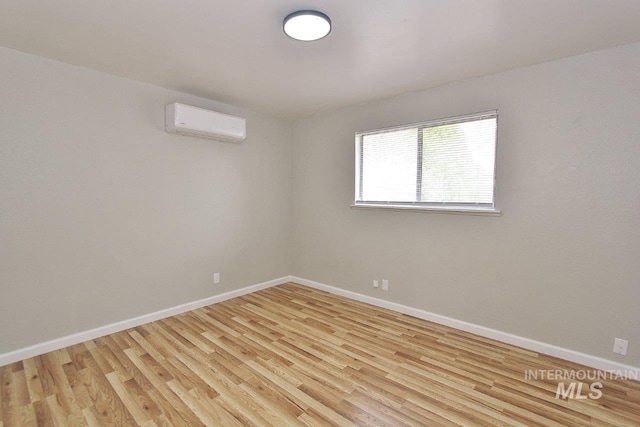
(307, 25)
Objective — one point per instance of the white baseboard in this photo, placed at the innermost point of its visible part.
(529, 344)
(58, 343)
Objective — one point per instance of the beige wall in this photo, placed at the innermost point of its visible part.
(560, 266)
(104, 216)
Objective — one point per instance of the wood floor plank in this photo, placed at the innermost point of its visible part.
(56, 412)
(294, 356)
(204, 409)
(26, 416)
(76, 381)
(64, 400)
(109, 408)
(33, 382)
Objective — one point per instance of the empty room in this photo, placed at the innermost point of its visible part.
(320, 213)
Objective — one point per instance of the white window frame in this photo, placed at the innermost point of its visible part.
(458, 208)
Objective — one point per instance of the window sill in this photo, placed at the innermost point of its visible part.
(433, 209)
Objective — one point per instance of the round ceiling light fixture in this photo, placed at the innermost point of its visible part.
(307, 25)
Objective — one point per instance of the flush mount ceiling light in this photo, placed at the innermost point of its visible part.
(307, 25)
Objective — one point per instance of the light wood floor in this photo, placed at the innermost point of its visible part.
(291, 355)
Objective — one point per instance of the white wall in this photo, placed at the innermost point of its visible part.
(104, 216)
(560, 266)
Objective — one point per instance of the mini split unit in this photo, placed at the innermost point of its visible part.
(193, 121)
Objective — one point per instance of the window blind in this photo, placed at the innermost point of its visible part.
(447, 162)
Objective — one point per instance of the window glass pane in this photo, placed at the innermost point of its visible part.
(458, 162)
(389, 166)
(448, 162)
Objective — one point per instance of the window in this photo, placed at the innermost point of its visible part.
(446, 164)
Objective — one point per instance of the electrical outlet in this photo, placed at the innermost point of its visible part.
(385, 285)
(620, 346)
(375, 284)
(216, 278)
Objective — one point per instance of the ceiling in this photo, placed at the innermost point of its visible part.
(235, 51)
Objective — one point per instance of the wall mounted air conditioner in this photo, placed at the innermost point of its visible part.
(194, 121)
